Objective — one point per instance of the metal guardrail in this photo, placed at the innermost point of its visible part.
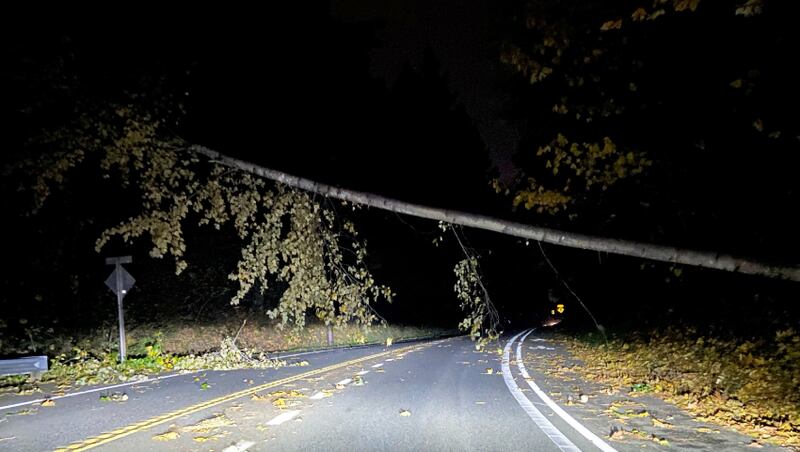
(33, 365)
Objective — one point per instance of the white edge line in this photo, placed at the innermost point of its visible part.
(377, 365)
(104, 388)
(240, 446)
(363, 372)
(541, 421)
(317, 395)
(580, 428)
(283, 417)
(345, 382)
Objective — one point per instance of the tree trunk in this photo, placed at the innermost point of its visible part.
(556, 237)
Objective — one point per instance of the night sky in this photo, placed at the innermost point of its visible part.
(464, 37)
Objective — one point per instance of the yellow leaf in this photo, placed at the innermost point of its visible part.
(639, 15)
(167, 436)
(750, 8)
(49, 402)
(660, 423)
(611, 25)
(202, 439)
(682, 5)
(405, 413)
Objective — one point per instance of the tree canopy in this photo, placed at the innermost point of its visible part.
(667, 120)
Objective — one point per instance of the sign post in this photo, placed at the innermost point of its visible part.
(120, 282)
(330, 335)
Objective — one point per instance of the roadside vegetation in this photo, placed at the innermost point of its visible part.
(234, 342)
(752, 386)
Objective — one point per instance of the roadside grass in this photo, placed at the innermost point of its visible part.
(263, 335)
(752, 386)
(229, 343)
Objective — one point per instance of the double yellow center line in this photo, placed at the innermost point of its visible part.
(122, 432)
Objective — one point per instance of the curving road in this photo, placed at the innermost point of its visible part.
(434, 396)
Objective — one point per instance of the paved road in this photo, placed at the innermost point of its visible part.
(437, 395)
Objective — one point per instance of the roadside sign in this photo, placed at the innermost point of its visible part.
(33, 365)
(126, 283)
(120, 282)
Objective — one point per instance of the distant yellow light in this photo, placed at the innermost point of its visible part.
(560, 308)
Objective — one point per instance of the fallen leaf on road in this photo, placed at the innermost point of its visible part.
(617, 434)
(202, 439)
(405, 413)
(659, 423)
(205, 385)
(207, 425)
(49, 402)
(166, 436)
(291, 393)
(280, 402)
(114, 397)
(489, 371)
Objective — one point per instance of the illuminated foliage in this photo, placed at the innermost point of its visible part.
(482, 321)
(747, 385)
(288, 235)
(585, 74)
(591, 164)
(473, 301)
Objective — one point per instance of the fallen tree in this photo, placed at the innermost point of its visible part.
(706, 259)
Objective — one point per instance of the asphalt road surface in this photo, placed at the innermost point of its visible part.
(434, 395)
